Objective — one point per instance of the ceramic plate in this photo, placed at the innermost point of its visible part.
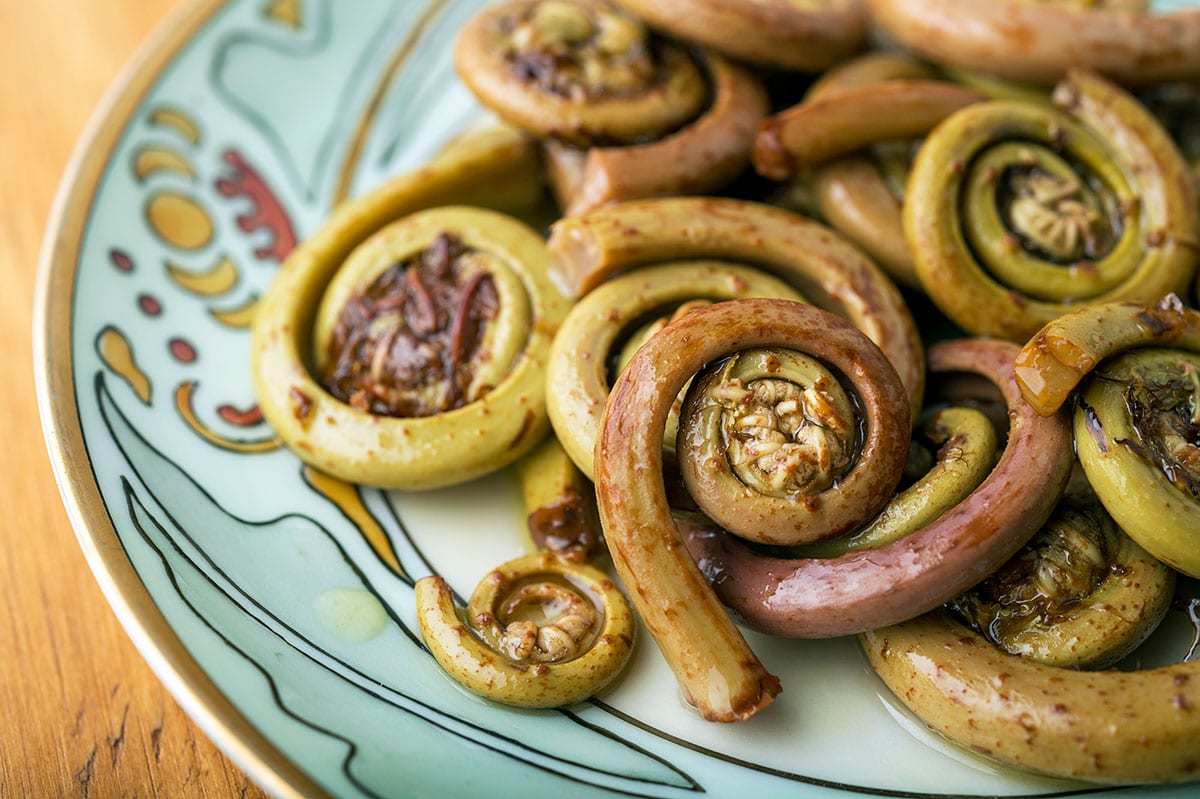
(276, 605)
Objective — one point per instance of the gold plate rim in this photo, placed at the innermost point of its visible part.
(54, 376)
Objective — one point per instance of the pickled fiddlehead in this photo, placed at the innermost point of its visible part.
(586, 353)
(1137, 430)
(1016, 213)
(537, 632)
(581, 71)
(622, 112)
(1081, 594)
(862, 589)
(428, 348)
(776, 450)
(1042, 718)
(718, 672)
(699, 157)
(1137, 423)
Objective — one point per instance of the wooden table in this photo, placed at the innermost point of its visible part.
(82, 715)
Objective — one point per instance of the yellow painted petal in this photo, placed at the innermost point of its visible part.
(117, 355)
(178, 121)
(218, 279)
(241, 316)
(150, 160)
(346, 497)
(286, 12)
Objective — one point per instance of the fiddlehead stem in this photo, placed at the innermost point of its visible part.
(841, 121)
(1038, 717)
(1038, 42)
(775, 33)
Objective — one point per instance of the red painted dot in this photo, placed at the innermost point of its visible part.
(121, 260)
(182, 351)
(239, 417)
(149, 305)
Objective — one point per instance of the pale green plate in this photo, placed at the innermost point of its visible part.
(282, 616)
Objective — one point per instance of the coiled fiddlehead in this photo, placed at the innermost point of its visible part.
(1137, 420)
(586, 354)
(1017, 213)
(714, 666)
(428, 348)
(776, 450)
(537, 632)
(1081, 594)
(581, 71)
(863, 589)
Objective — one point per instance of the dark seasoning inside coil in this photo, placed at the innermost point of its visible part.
(404, 345)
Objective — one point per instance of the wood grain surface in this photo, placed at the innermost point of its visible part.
(82, 714)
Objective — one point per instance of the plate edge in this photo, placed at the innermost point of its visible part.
(55, 387)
